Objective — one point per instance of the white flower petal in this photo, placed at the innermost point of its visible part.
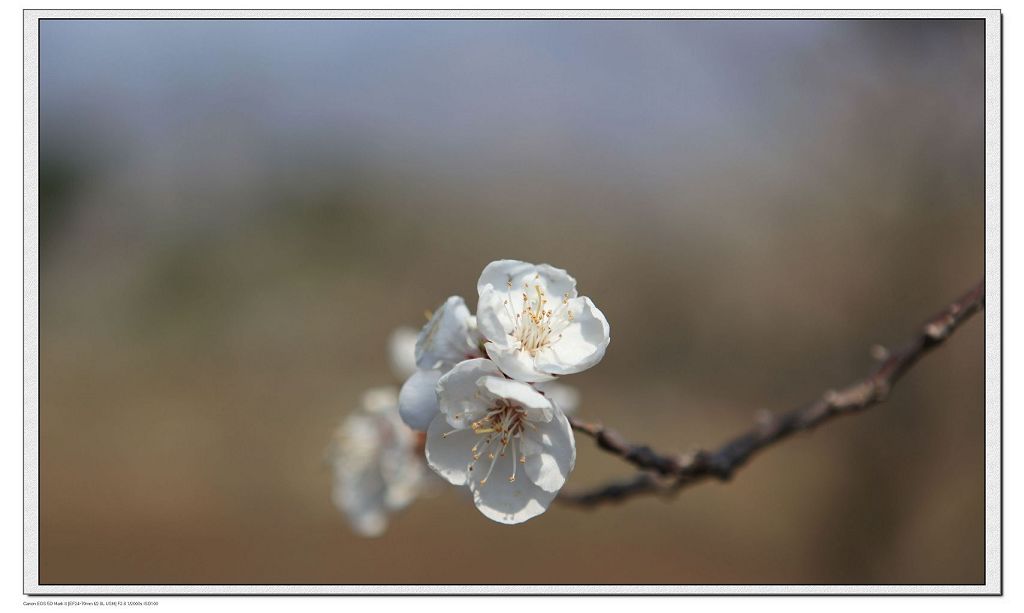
(402, 352)
(538, 407)
(581, 344)
(417, 402)
(458, 393)
(565, 397)
(376, 469)
(449, 455)
(448, 338)
(402, 469)
(497, 275)
(379, 400)
(529, 446)
(550, 467)
(493, 319)
(516, 364)
(556, 281)
(369, 524)
(504, 501)
(359, 494)
(404, 487)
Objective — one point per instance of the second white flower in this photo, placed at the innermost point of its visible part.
(507, 441)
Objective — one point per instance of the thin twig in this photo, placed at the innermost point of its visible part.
(667, 473)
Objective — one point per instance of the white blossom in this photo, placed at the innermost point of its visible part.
(402, 352)
(376, 464)
(535, 324)
(503, 439)
(449, 337)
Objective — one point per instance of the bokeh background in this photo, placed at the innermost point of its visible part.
(236, 214)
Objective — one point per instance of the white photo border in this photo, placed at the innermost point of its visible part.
(992, 312)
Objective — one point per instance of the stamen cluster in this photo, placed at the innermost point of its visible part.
(535, 323)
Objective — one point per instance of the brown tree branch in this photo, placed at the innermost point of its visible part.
(668, 473)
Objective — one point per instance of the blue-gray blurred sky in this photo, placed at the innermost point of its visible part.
(652, 105)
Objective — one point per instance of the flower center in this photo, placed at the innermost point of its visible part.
(501, 429)
(536, 325)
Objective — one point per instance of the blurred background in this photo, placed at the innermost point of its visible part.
(235, 215)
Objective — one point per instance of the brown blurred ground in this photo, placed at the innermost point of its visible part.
(190, 378)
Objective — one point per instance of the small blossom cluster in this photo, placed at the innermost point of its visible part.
(376, 460)
(485, 389)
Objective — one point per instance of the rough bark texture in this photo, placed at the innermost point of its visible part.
(667, 473)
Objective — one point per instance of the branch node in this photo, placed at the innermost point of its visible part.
(765, 420)
(937, 331)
